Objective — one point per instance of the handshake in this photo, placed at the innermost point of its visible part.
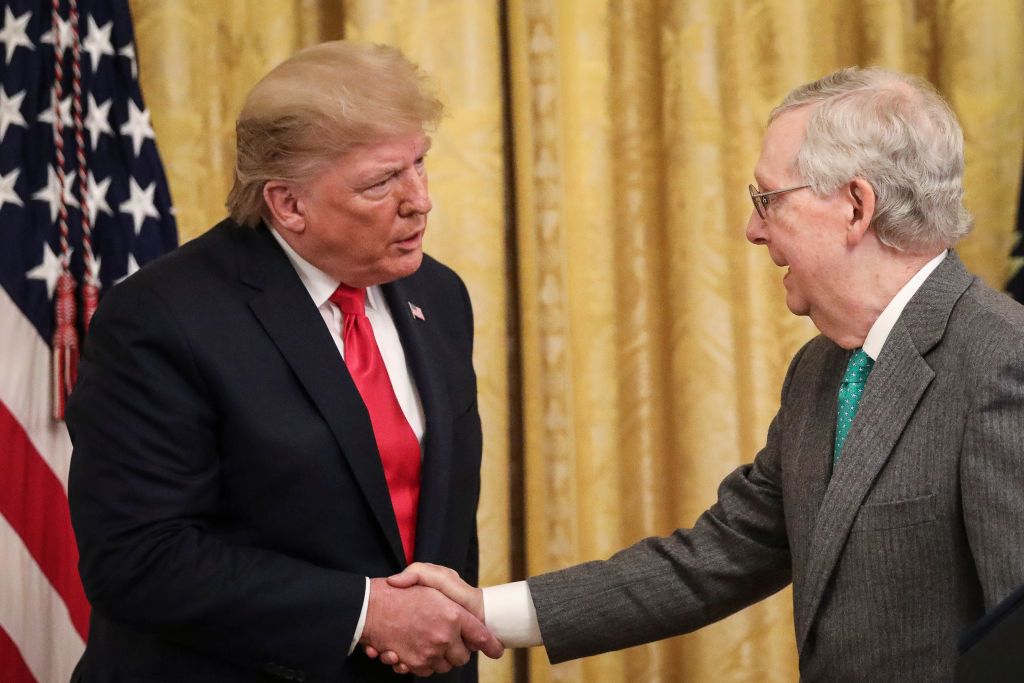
(426, 620)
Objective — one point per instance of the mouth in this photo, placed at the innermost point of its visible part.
(413, 241)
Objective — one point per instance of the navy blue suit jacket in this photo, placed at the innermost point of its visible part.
(226, 490)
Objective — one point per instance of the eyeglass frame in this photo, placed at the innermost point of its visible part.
(760, 199)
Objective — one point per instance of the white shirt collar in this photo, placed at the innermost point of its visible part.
(879, 332)
(319, 284)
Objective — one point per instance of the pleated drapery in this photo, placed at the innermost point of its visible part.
(589, 184)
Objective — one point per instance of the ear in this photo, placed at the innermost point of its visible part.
(861, 197)
(284, 206)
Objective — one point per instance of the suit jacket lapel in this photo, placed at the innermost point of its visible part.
(813, 437)
(892, 393)
(284, 309)
(426, 367)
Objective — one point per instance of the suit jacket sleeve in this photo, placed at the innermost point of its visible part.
(736, 554)
(144, 491)
(991, 475)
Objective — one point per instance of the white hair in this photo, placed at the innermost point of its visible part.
(897, 133)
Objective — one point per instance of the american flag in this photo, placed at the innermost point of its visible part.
(113, 182)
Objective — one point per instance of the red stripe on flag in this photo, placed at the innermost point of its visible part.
(34, 503)
(12, 666)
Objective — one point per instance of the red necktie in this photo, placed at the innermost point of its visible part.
(397, 443)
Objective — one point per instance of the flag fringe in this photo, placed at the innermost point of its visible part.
(65, 345)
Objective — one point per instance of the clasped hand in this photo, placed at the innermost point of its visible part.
(426, 620)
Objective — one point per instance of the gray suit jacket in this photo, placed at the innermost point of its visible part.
(918, 531)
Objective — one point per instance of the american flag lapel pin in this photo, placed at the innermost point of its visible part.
(416, 311)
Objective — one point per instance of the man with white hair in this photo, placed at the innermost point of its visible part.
(890, 491)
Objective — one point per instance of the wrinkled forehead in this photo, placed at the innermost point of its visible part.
(781, 143)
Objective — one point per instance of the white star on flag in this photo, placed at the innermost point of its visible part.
(128, 51)
(65, 112)
(48, 271)
(7, 193)
(10, 111)
(15, 32)
(96, 198)
(94, 269)
(64, 35)
(51, 191)
(97, 43)
(140, 204)
(132, 268)
(137, 126)
(98, 120)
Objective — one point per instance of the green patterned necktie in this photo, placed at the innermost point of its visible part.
(857, 371)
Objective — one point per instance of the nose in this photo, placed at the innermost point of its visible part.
(416, 198)
(755, 229)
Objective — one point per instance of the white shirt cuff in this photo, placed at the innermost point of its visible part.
(510, 615)
(362, 618)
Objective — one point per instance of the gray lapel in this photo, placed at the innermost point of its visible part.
(895, 387)
(814, 436)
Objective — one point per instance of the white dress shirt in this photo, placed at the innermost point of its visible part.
(320, 286)
(508, 609)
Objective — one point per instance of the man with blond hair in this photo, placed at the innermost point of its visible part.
(890, 491)
(283, 410)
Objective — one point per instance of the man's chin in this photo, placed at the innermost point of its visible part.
(407, 264)
(797, 306)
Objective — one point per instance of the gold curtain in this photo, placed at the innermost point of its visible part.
(604, 250)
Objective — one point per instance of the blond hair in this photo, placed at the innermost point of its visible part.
(317, 105)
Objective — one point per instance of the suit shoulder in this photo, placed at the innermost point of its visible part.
(995, 310)
(210, 253)
(438, 279)
(818, 350)
(990, 322)
(814, 363)
(432, 269)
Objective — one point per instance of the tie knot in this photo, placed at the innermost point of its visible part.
(859, 367)
(350, 300)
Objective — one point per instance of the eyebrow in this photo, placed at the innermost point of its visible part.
(389, 170)
(763, 186)
(392, 168)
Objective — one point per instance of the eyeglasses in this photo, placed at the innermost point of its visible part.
(761, 201)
